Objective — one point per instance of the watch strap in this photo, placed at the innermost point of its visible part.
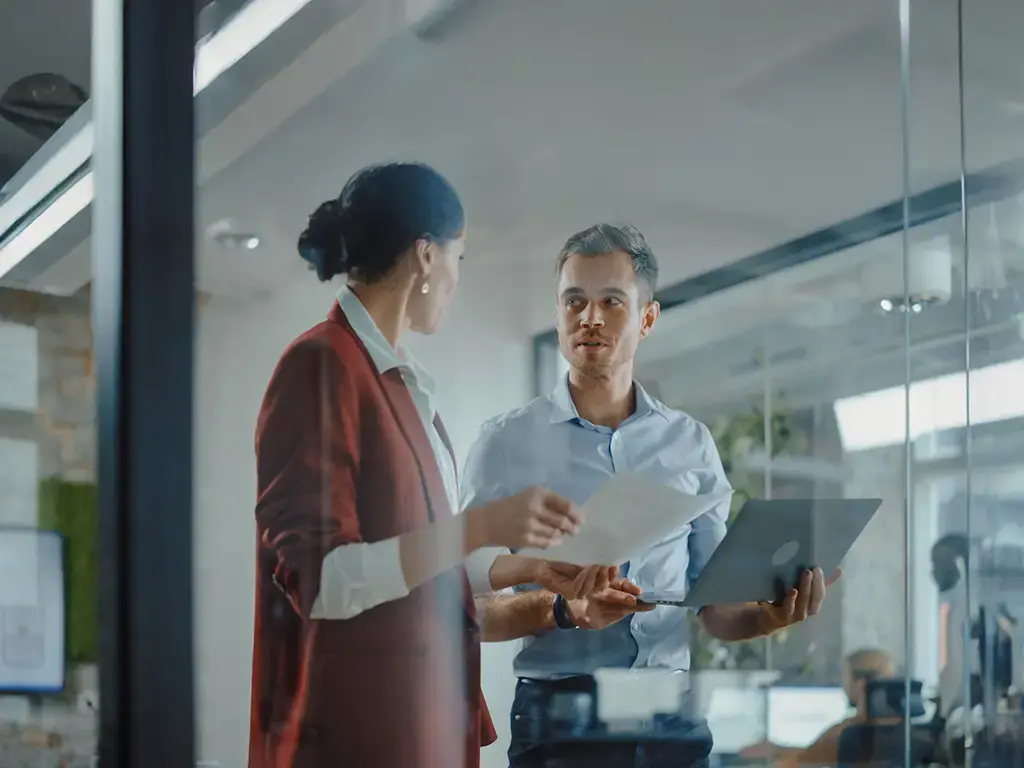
(561, 613)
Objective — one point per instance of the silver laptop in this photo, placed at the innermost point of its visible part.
(771, 542)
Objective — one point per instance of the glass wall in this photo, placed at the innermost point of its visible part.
(48, 501)
(49, 623)
(982, 501)
(876, 356)
(764, 164)
(834, 192)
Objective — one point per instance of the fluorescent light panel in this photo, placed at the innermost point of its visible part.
(215, 55)
(878, 419)
(73, 201)
(241, 34)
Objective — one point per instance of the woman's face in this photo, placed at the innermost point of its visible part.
(439, 264)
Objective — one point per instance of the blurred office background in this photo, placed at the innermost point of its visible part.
(836, 197)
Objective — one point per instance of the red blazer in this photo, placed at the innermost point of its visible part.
(342, 457)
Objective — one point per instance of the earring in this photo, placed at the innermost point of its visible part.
(425, 288)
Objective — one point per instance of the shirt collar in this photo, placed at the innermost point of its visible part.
(564, 409)
(385, 357)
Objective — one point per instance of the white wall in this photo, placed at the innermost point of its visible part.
(481, 360)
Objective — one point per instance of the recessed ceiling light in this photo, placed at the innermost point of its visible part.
(237, 240)
(915, 305)
(225, 235)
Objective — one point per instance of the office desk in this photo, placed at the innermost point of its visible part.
(562, 720)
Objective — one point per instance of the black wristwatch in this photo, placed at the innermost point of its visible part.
(561, 613)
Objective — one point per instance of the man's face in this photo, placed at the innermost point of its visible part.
(602, 314)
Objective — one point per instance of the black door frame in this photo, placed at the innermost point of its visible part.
(143, 323)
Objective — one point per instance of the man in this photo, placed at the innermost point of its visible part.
(949, 560)
(950, 557)
(599, 421)
(862, 667)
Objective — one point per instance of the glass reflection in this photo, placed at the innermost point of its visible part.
(836, 415)
(719, 143)
(48, 616)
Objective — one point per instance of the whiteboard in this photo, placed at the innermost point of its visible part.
(19, 367)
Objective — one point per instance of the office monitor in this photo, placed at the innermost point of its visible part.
(736, 717)
(32, 611)
(797, 716)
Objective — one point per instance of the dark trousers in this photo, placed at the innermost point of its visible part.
(535, 744)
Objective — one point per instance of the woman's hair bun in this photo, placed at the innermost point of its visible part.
(322, 244)
(380, 214)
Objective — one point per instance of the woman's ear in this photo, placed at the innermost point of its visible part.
(424, 255)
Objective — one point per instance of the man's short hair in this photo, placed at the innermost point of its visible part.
(612, 238)
(869, 664)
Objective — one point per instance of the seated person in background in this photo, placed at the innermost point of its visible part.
(862, 667)
(950, 557)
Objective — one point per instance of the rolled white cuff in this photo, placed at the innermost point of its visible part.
(478, 568)
(358, 577)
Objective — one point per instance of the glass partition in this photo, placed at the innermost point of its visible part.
(878, 357)
(48, 672)
(796, 177)
(982, 504)
(49, 623)
(834, 193)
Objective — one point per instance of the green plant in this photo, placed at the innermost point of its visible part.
(70, 509)
(737, 437)
(742, 434)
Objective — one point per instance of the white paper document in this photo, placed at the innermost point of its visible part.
(626, 516)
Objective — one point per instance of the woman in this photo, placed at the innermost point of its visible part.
(366, 645)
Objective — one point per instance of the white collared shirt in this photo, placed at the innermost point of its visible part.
(547, 443)
(358, 577)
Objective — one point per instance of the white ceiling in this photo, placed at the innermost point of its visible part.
(717, 138)
(720, 127)
(807, 336)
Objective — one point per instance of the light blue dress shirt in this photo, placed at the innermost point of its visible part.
(547, 443)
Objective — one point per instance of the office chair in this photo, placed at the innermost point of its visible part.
(886, 698)
(883, 746)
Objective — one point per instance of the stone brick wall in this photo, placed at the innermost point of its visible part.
(64, 422)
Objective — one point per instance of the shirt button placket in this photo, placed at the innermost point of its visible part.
(613, 445)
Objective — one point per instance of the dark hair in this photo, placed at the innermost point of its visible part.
(956, 543)
(379, 214)
(609, 238)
